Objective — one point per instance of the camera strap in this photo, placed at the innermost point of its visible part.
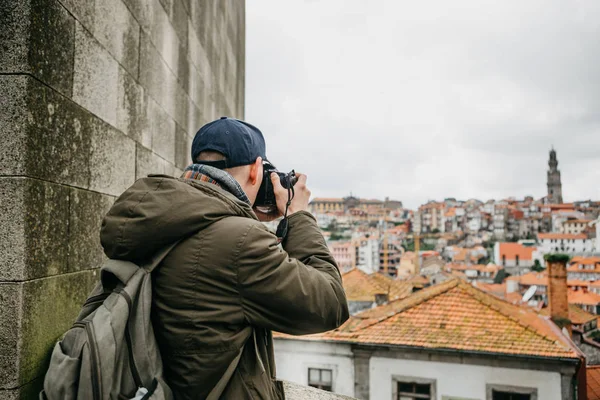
(282, 228)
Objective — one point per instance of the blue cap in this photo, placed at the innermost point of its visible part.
(240, 142)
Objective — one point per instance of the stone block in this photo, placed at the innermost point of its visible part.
(196, 87)
(37, 37)
(183, 146)
(131, 109)
(95, 78)
(84, 11)
(194, 119)
(164, 36)
(148, 163)
(117, 30)
(143, 11)
(57, 134)
(179, 19)
(112, 159)
(11, 303)
(86, 212)
(197, 51)
(34, 226)
(13, 108)
(50, 306)
(161, 128)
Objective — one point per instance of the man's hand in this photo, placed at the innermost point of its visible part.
(301, 194)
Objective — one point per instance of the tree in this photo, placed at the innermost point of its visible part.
(537, 267)
(436, 230)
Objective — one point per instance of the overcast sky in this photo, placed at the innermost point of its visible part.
(420, 100)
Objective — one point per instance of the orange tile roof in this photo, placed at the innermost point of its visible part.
(577, 315)
(454, 315)
(584, 260)
(497, 289)
(360, 286)
(566, 236)
(583, 297)
(593, 382)
(512, 250)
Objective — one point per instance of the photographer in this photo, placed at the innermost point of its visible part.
(229, 281)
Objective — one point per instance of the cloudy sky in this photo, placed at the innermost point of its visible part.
(420, 100)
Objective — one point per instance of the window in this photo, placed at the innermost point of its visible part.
(517, 260)
(499, 395)
(505, 392)
(320, 378)
(405, 388)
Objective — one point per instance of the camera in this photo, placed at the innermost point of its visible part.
(265, 200)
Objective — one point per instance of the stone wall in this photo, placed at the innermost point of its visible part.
(93, 94)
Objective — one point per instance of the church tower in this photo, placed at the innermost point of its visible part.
(554, 185)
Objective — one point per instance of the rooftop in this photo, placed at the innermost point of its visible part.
(576, 314)
(559, 236)
(512, 250)
(453, 315)
(593, 382)
(360, 286)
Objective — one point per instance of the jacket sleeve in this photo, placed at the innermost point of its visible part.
(298, 291)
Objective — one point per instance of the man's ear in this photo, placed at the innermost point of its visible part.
(256, 170)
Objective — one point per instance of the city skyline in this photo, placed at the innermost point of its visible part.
(426, 101)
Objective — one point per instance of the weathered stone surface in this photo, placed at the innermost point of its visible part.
(13, 106)
(148, 163)
(198, 54)
(37, 37)
(156, 77)
(161, 128)
(131, 110)
(10, 328)
(164, 37)
(112, 159)
(294, 391)
(50, 306)
(183, 145)
(143, 11)
(34, 226)
(58, 137)
(86, 212)
(116, 29)
(84, 11)
(95, 77)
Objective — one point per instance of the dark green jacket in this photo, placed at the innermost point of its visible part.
(226, 285)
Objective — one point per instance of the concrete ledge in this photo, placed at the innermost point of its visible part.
(293, 391)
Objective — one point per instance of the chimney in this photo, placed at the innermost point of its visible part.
(557, 290)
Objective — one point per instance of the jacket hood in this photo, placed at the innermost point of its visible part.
(159, 210)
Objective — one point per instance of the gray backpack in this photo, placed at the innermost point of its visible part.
(111, 352)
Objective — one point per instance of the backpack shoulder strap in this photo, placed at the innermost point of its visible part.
(217, 391)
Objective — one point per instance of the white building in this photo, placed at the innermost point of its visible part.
(564, 243)
(446, 342)
(368, 254)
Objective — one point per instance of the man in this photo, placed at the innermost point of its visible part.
(228, 282)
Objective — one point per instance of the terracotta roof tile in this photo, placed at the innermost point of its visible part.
(583, 297)
(455, 315)
(593, 382)
(566, 236)
(360, 286)
(576, 314)
(512, 250)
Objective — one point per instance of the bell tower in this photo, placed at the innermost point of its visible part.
(554, 184)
